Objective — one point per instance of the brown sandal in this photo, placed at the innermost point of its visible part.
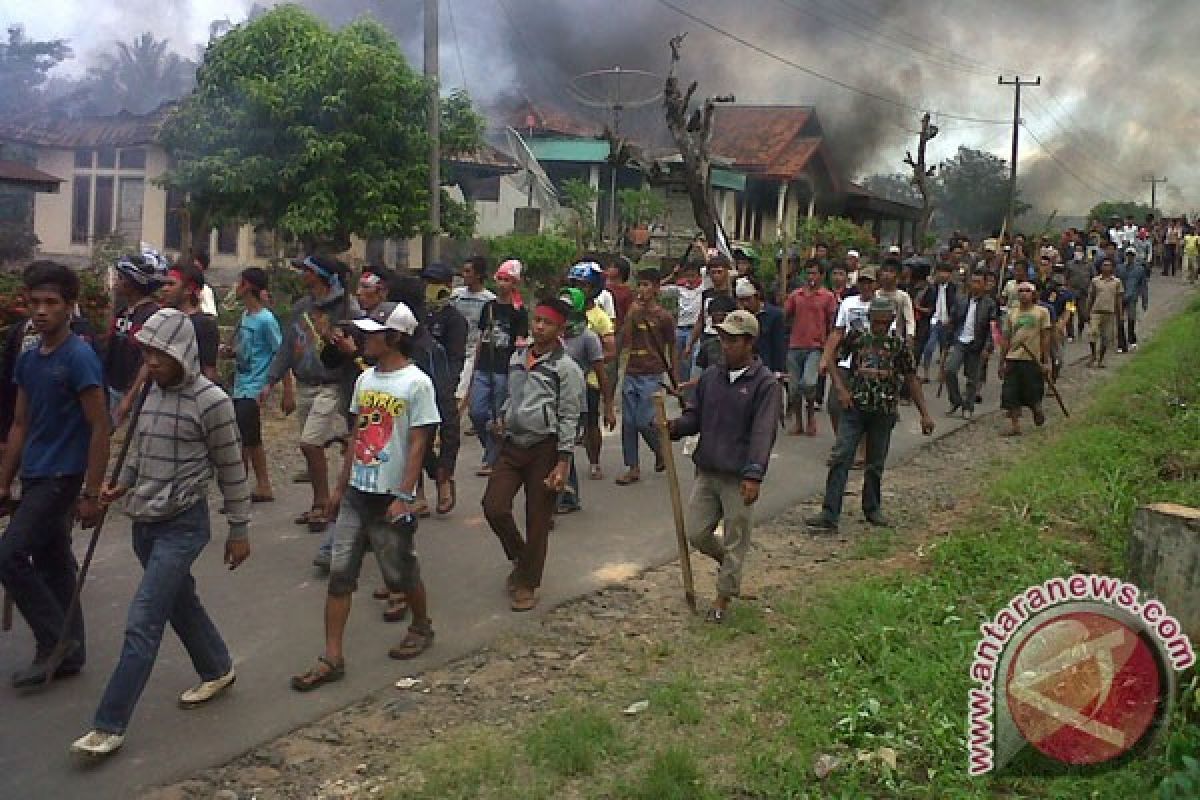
(306, 517)
(325, 672)
(381, 593)
(416, 641)
(397, 608)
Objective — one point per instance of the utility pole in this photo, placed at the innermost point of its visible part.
(430, 243)
(1010, 217)
(1154, 182)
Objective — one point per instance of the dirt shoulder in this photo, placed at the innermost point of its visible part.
(629, 642)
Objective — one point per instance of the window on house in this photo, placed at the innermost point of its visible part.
(173, 224)
(134, 158)
(102, 211)
(106, 158)
(81, 208)
(129, 209)
(227, 236)
(83, 159)
(264, 242)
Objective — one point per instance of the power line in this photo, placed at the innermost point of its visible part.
(457, 46)
(814, 73)
(1050, 154)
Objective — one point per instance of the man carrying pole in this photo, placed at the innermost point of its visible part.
(735, 409)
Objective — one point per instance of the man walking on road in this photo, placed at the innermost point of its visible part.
(375, 497)
(186, 431)
(1135, 288)
(811, 309)
(537, 431)
(1105, 301)
(970, 331)
(735, 410)
(501, 323)
(868, 392)
(1025, 358)
(647, 333)
(59, 440)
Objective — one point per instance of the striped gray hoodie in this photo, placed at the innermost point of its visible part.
(184, 433)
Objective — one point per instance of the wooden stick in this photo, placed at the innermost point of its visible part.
(1049, 383)
(685, 558)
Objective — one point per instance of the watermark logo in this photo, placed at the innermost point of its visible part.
(1078, 669)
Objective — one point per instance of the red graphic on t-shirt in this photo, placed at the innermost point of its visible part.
(374, 433)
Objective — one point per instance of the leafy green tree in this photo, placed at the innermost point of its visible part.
(139, 76)
(973, 186)
(1119, 208)
(319, 134)
(579, 197)
(893, 186)
(24, 67)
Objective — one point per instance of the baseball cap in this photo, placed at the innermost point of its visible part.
(894, 249)
(852, 254)
(881, 305)
(1026, 286)
(739, 323)
(574, 298)
(388, 317)
(744, 288)
(866, 273)
(146, 270)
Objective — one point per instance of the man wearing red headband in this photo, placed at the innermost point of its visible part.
(537, 431)
(182, 291)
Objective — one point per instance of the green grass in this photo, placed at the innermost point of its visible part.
(864, 663)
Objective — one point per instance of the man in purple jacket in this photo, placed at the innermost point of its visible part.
(735, 409)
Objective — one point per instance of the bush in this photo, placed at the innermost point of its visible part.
(17, 241)
(545, 256)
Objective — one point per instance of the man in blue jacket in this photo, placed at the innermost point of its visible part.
(735, 409)
(1133, 274)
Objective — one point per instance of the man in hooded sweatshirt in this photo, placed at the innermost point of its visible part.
(187, 430)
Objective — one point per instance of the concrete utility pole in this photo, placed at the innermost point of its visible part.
(1010, 217)
(430, 243)
(1154, 182)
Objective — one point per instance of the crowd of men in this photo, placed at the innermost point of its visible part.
(392, 369)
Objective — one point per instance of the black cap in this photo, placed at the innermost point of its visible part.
(437, 272)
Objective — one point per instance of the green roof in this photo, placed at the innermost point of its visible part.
(588, 151)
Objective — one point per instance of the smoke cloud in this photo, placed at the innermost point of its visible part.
(1114, 105)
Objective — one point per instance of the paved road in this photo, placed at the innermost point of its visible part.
(270, 613)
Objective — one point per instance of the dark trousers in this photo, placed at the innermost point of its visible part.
(167, 593)
(525, 468)
(440, 461)
(855, 424)
(970, 361)
(37, 566)
(1170, 259)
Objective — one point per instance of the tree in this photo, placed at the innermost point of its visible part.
(580, 197)
(24, 67)
(974, 191)
(921, 179)
(1105, 211)
(692, 131)
(139, 76)
(543, 255)
(896, 187)
(315, 133)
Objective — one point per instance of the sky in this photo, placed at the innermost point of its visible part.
(1116, 104)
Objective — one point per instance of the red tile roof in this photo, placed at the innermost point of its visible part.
(14, 173)
(544, 117)
(767, 140)
(120, 130)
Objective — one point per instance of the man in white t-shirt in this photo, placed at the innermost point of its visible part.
(851, 315)
(470, 300)
(208, 301)
(375, 498)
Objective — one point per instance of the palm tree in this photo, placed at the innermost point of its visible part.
(140, 75)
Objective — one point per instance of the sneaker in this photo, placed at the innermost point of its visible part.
(98, 743)
(876, 518)
(203, 692)
(821, 522)
(1133, 346)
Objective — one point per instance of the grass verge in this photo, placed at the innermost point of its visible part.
(869, 673)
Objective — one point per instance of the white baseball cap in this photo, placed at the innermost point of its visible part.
(852, 254)
(744, 288)
(894, 249)
(388, 317)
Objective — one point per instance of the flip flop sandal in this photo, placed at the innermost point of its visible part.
(627, 479)
(421, 510)
(262, 498)
(317, 677)
(596, 473)
(306, 517)
(415, 642)
(381, 593)
(317, 522)
(446, 503)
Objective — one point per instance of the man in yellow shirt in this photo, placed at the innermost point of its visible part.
(590, 278)
(1025, 358)
(1191, 254)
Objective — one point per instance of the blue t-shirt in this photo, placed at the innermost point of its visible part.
(56, 442)
(387, 405)
(258, 337)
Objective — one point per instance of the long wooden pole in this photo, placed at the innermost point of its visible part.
(685, 557)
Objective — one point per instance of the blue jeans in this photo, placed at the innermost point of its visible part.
(37, 566)
(489, 390)
(854, 425)
(167, 593)
(637, 415)
(938, 339)
(803, 372)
